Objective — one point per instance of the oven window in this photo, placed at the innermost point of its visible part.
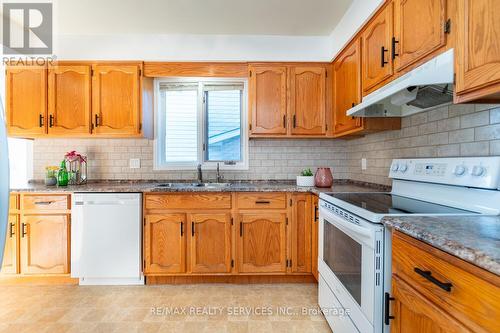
(343, 255)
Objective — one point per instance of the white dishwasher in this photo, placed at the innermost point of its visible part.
(106, 238)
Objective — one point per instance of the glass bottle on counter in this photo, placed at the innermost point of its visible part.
(62, 175)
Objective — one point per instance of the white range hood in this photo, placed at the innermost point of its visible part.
(426, 87)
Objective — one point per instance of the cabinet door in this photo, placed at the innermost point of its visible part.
(267, 96)
(210, 243)
(165, 244)
(376, 39)
(478, 48)
(262, 243)
(411, 43)
(26, 100)
(307, 100)
(314, 236)
(69, 100)
(301, 233)
(413, 313)
(347, 89)
(45, 244)
(115, 100)
(10, 261)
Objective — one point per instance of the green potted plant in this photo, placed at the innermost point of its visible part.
(306, 178)
(51, 175)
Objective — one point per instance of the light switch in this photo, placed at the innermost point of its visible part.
(134, 163)
(363, 164)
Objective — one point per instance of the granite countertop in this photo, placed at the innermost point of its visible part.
(236, 186)
(475, 239)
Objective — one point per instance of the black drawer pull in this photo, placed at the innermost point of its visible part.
(46, 203)
(262, 202)
(446, 286)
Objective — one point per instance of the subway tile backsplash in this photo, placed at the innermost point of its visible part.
(457, 130)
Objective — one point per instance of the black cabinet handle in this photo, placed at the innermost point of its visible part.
(294, 121)
(241, 229)
(383, 50)
(11, 231)
(284, 121)
(192, 229)
(51, 121)
(45, 203)
(182, 229)
(393, 51)
(387, 308)
(446, 286)
(40, 121)
(23, 230)
(262, 202)
(96, 120)
(316, 213)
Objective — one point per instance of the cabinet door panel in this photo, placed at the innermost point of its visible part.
(478, 47)
(267, 96)
(413, 313)
(262, 243)
(26, 100)
(45, 244)
(415, 43)
(314, 236)
(210, 243)
(69, 100)
(307, 100)
(10, 261)
(347, 88)
(376, 39)
(165, 243)
(115, 100)
(301, 233)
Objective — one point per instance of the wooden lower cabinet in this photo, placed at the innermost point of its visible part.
(210, 244)
(10, 264)
(165, 243)
(300, 233)
(262, 244)
(314, 236)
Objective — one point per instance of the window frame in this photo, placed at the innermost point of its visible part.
(159, 158)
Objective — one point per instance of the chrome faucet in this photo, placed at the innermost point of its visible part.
(200, 174)
(218, 175)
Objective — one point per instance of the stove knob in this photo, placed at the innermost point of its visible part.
(478, 171)
(459, 170)
(395, 167)
(403, 168)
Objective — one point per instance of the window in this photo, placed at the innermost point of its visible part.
(200, 122)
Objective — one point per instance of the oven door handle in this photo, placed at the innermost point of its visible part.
(348, 226)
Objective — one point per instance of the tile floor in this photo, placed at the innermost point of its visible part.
(233, 308)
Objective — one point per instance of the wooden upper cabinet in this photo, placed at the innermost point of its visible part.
(301, 233)
(376, 41)
(165, 244)
(414, 313)
(262, 244)
(268, 100)
(478, 50)
(116, 100)
(44, 244)
(347, 89)
(69, 100)
(418, 30)
(210, 250)
(307, 100)
(26, 100)
(10, 262)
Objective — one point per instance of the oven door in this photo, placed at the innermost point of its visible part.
(350, 261)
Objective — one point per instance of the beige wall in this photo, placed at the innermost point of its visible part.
(459, 130)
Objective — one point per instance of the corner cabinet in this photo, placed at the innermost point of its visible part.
(478, 51)
(26, 100)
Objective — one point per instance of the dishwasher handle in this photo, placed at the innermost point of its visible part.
(101, 203)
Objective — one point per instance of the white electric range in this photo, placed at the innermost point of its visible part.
(355, 249)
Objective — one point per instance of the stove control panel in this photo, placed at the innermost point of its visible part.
(480, 172)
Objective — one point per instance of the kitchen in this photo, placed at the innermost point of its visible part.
(325, 167)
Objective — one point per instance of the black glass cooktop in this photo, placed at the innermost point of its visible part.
(387, 203)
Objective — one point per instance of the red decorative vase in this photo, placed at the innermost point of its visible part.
(323, 177)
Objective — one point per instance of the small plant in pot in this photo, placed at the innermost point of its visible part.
(306, 178)
(51, 175)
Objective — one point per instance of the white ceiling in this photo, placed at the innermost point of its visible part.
(235, 17)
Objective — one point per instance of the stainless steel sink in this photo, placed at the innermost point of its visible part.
(183, 185)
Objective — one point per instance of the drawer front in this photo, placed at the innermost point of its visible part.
(44, 202)
(13, 202)
(470, 299)
(261, 200)
(189, 201)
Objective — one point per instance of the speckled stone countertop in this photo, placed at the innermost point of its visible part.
(475, 239)
(236, 186)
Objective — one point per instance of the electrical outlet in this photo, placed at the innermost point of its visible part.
(134, 163)
(363, 164)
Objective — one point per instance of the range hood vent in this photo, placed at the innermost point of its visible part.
(426, 87)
